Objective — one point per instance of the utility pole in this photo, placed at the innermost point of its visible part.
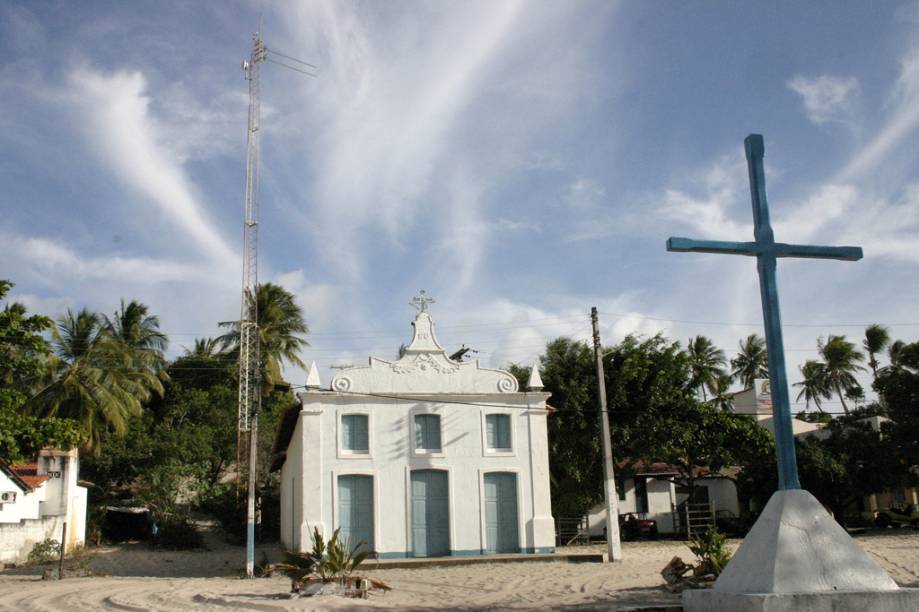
(613, 546)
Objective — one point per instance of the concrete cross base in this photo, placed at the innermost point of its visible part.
(901, 600)
(797, 557)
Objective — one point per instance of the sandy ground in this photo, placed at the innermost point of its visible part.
(137, 578)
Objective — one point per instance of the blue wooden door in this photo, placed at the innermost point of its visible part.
(430, 513)
(501, 535)
(355, 510)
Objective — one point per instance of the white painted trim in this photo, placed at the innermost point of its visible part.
(521, 521)
(345, 454)
(511, 413)
(336, 519)
(425, 409)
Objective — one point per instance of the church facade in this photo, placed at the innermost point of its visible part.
(418, 457)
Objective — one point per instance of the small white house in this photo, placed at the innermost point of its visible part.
(650, 492)
(419, 457)
(36, 500)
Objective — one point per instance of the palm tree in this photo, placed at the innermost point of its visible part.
(720, 396)
(140, 333)
(706, 362)
(280, 324)
(840, 362)
(752, 361)
(204, 347)
(894, 352)
(813, 387)
(94, 379)
(877, 338)
(135, 327)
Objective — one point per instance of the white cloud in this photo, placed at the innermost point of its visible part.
(319, 301)
(119, 126)
(54, 263)
(826, 98)
(722, 185)
(901, 121)
(409, 101)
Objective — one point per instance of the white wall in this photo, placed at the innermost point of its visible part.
(26, 506)
(392, 458)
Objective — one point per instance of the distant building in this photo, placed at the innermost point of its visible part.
(36, 500)
(649, 491)
(757, 402)
(418, 457)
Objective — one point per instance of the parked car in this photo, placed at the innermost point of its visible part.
(902, 514)
(633, 528)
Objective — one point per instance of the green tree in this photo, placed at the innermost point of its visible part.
(851, 462)
(699, 440)
(877, 338)
(280, 325)
(95, 379)
(814, 387)
(23, 435)
(23, 349)
(204, 347)
(898, 388)
(574, 441)
(706, 362)
(840, 363)
(751, 362)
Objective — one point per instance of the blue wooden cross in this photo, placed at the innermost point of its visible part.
(766, 250)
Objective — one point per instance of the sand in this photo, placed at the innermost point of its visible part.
(141, 579)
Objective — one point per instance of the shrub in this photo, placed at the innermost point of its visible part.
(43, 552)
(711, 551)
(330, 560)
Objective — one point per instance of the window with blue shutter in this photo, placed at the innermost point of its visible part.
(427, 432)
(354, 437)
(498, 431)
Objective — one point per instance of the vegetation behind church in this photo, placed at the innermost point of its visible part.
(162, 434)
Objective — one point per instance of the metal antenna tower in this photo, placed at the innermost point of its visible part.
(250, 394)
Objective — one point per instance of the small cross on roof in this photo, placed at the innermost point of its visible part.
(421, 302)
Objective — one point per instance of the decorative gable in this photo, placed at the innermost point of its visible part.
(423, 368)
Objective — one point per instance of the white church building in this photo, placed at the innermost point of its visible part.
(419, 457)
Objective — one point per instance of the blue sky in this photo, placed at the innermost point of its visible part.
(521, 162)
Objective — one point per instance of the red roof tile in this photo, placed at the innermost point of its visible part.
(29, 475)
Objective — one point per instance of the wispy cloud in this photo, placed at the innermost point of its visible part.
(713, 211)
(826, 98)
(900, 122)
(54, 263)
(121, 129)
(412, 99)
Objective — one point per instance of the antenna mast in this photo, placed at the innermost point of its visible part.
(250, 395)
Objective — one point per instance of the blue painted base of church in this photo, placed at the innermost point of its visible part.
(548, 550)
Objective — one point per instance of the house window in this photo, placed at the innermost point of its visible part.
(427, 432)
(354, 438)
(620, 489)
(498, 432)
